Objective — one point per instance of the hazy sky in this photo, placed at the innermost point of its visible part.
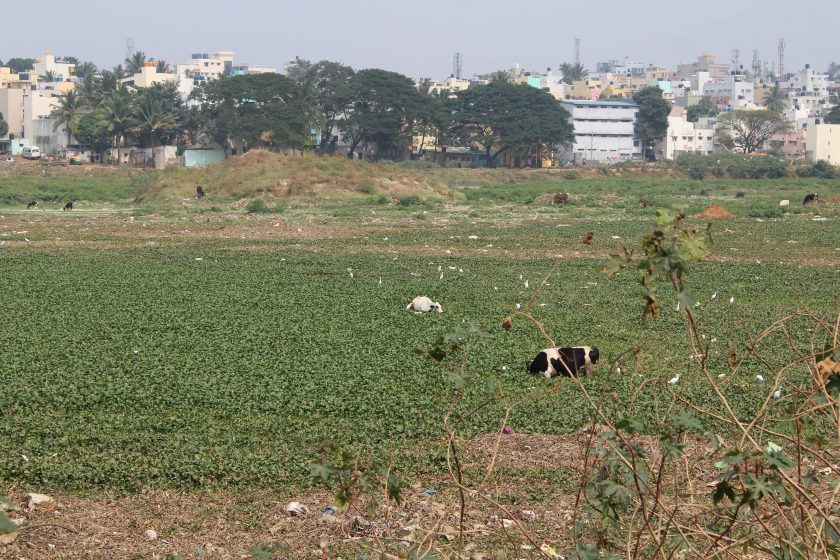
(419, 38)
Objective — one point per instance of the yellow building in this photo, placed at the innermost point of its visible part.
(9, 80)
(823, 143)
(586, 89)
(48, 63)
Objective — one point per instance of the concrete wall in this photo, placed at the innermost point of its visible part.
(200, 158)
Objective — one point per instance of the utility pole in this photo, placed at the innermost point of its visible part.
(577, 50)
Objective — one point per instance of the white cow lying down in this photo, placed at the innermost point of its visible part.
(422, 304)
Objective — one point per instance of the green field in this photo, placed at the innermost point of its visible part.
(227, 358)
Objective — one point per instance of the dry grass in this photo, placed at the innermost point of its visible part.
(276, 176)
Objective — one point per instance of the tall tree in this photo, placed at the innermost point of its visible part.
(134, 64)
(328, 87)
(18, 65)
(49, 76)
(119, 72)
(4, 126)
(749, 131)
(107, 83)
(163, 67)
(92, 131)
(255, 110)
(573, 72)
(86, 72)
(69, 60)
(68, 112)
(775, 99)
(383, 112)
(833, 71)
(502, 116)
(652, 117)
(157, 113)
(833, 116)
(705, 108)
(117, 115)
(298, 68)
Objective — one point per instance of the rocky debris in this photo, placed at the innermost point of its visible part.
(296, 508)
(40, 501)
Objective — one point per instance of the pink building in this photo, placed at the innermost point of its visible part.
(792, 143)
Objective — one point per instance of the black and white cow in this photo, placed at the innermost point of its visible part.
(810, 199)
(566, 362)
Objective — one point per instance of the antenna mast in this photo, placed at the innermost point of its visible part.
(457, 65)
(129, 48)
(577, 50)
(782, 45)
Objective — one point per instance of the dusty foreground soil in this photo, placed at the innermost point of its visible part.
(514, 504)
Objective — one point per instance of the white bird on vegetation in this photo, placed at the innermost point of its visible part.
(518, 307)
(441, 275)
(714, 295)
(732, 300)
(759, 378)
(674, 380)
(380, 280)
(526, 284)
(777, 394)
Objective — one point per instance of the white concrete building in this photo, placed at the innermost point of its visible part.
(823, 143)
(247, 69)
(203, 67)
(688, 137)
(149, 76)
(737, 89)
(48, 63)
(604, 131)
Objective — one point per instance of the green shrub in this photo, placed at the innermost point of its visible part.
(259, 206)
(822, 170)
(410, 200)
(740, 194)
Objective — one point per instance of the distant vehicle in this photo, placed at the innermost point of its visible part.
(75, 160)
(32, 152)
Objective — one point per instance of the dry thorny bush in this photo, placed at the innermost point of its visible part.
(701, 481)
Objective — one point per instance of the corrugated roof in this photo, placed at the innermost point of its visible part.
(585, 102)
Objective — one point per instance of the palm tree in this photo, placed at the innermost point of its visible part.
(106, 84)
(117, 116)
(833, 71)
(152, 117)
(49, 76)
(162, 67)
(775, 99)
(87, 73)
(135, 63)
(573, 72)
(119, 72)
(69, 109)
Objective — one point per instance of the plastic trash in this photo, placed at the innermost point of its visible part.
(329, 510)
(507, 430)
(296, 508)
(430, 491)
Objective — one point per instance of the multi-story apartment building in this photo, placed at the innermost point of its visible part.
(823, 143)
(203, 66)
(688, 137)
(604, 131)
(705, 63)
(736, 89)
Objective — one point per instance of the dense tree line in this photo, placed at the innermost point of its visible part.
(376, 112)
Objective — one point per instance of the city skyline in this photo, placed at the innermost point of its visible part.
(419, 42)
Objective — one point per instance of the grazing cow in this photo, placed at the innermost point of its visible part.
(560, 198)
(784, 204)
(32, 205)
(810, 199)
(643, 202)
(68, 206)
(565, 362)
(422, 304)
(199, 192)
